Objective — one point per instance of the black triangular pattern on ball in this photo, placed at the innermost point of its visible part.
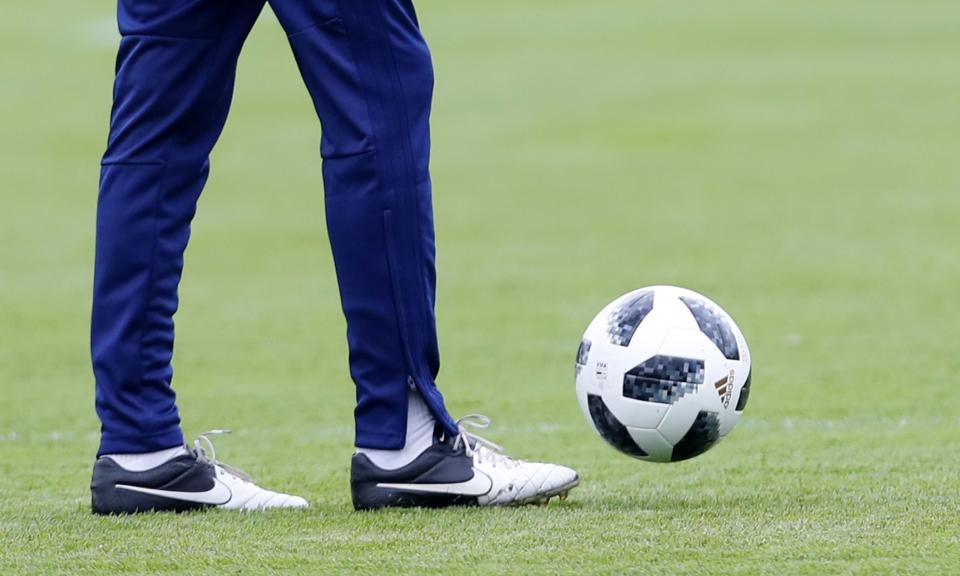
(623, 322)
(611, 429)
(583, 354)
(714, 326)
(703, 434)
(663, 379)
(744, 393)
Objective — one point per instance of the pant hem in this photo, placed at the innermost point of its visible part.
(140, 444)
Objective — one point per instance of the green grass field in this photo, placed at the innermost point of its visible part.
(797, 162)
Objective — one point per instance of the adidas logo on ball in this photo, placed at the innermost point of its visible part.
(725, 391)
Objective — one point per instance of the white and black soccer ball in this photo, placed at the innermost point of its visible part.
(663, 373)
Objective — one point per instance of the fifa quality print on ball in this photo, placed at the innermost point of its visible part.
(663, 373)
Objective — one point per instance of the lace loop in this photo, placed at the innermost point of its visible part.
(204, 450)
(478, 447)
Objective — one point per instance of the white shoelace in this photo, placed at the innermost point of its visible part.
(203, 444)
(478, 447)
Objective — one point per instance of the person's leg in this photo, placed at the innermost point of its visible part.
(175, 76)
(369, 72)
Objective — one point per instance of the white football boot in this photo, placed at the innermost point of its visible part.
(464, 470)
(191, 481)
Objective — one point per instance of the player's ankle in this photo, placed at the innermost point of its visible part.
(420, 435)
(147, 460)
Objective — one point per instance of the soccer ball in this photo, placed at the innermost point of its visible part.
(663, 373)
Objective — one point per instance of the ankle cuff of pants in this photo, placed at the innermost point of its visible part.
(110, 444)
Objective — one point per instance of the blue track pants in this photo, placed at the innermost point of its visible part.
(370, 76)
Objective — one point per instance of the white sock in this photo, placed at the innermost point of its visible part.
(148, 461)
(420, 427)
